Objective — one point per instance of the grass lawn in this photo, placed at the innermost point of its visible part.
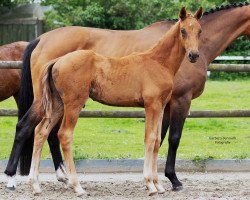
(123, 138)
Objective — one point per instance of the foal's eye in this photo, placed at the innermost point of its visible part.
(183, 33)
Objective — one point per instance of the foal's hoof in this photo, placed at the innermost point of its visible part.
(82, 193)
(37, 192)
(65, 182)
(151, 190)
(160, 188)
(177, 188)
(10, 189)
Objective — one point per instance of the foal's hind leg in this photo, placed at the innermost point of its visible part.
(65, 135)
(41, 134)
(54, 146)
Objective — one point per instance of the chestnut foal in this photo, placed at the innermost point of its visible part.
(139, 80)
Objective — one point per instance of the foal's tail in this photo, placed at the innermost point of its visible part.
(49, 92)
(25, 101)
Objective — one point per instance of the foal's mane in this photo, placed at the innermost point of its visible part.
(213, 10)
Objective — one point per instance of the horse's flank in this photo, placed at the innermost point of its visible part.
(10, 78)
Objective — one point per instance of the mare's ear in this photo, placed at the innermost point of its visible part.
(183, 13)
(198, 13)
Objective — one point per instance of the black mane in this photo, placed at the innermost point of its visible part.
(226, 7)
(213, 10)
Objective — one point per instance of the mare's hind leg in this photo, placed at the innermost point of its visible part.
(41, 134)
(153, 114)
(24, 129)
(65, 135)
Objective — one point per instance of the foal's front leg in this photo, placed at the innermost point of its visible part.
(157, 184)
(152, 139)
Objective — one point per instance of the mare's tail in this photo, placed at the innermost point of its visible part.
(24, 103)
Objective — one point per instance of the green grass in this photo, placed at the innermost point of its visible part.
(123, 138)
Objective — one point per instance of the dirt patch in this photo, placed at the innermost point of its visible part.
(130, 186)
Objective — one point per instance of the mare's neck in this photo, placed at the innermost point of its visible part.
(221, 28)
(169, 50)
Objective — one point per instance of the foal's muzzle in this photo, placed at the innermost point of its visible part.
(193, 56)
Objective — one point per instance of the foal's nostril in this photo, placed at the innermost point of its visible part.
(193, 56)
(190, 55)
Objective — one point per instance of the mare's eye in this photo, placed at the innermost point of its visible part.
(183, 33)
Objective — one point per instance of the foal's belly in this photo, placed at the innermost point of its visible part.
(116, 95)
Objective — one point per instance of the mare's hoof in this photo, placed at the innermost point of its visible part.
(177, 188)
(10, 189)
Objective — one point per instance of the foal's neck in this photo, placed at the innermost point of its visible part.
(169, 50)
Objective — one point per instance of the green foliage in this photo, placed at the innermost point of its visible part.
(240, 47)
(117, 14)
(12, 3)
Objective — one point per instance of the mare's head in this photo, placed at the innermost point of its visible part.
(190, 31)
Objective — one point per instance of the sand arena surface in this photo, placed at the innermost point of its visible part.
(130, 186)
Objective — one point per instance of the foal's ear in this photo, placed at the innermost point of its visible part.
(183, 13)
(198, 13)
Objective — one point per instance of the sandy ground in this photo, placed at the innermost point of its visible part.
(130, 186)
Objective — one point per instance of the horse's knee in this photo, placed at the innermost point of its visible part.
(22, 132)
(157, 145)
(174, 141)
(65, 140)
(149, 142)
(41, 133)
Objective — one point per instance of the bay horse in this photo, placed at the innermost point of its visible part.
(189, 81)
(10, 78)
(139, 80)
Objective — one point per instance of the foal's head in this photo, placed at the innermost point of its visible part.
(190, 31)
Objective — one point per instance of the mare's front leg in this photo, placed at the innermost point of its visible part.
(153, 110)
(179, 108)
(165, 122)
(24, 129)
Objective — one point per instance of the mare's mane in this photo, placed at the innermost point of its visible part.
(213, 10)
